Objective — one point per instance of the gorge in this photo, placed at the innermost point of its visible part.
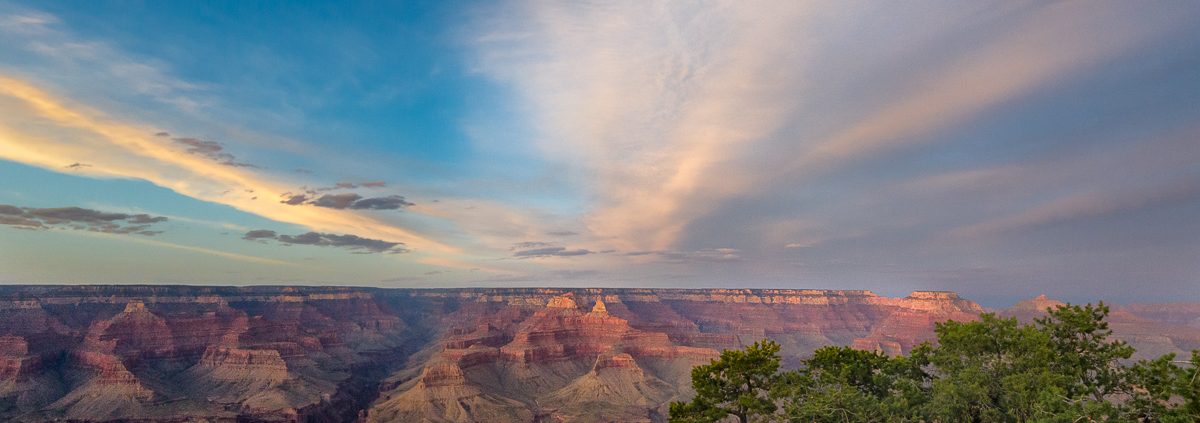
(192, 353)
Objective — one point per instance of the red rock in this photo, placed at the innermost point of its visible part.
(622, 360)
(278, 353)
(246, 360)
(13, 346)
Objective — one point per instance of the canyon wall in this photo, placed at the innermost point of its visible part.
(186, 353)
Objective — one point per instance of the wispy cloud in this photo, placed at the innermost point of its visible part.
(195, 249)
(211, 149)
(650, 98)
(703, 255)
(551, 252)
(128, 150)
(1085, 205)
(674, 109)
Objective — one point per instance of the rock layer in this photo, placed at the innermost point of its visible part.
(182, 353)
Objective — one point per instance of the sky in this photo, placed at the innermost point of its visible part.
(998, 149)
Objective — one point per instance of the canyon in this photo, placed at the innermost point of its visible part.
(333, 354)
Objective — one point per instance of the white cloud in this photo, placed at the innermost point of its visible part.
(672, 109)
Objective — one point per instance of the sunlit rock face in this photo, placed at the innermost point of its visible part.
(153, 353)
(624, 354)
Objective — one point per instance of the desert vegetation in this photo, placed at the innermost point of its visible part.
(1063, 367)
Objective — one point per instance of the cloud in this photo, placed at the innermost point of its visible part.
(349, 185)
(78, 219)
(530, 249)
(551, 252)
(350, 242)
(562, 233)
(391, 202)
(674, 110)
(258, 234)
(1084, 205)
(703, 255)
(352, 201)
(295, 199)
(131, 150)
(685, 91)
(337, 201)
(707, 255)
(109, 70)
(211, 149)
(530, 244)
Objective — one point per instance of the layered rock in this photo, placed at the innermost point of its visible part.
(913, 320)
(179, 353)
(234, 375)
(185, 353)
(616, 389)
(103, 388)
(25, 382)
(442, 394)
(561, 364)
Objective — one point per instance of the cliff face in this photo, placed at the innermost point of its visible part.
(179, 353)
(101, 353)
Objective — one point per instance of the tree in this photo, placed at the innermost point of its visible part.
(1064, 367)
(1161, 391)
(992, 370)
(1153, 386)
(842, 384)
(1084, 354)
(1187, 386)
(735, 384)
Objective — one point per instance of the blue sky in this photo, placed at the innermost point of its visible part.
(999, 149)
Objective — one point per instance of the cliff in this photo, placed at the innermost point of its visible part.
(187, 353)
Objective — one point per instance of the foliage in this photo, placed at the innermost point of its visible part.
(735, 384)
(840, 384)
(1064, 367)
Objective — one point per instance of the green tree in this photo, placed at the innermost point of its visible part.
(735, 384)
(992, 370)
(1187, 386)
(1085, 354)
(841, 384)
(1064, 367)
(1153, 389)
(1162, 391)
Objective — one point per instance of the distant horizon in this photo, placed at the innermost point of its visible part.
(992, 304)
(995, 149)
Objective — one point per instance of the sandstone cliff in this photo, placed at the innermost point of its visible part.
(184, 353)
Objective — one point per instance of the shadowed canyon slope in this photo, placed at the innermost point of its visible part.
(181, 353)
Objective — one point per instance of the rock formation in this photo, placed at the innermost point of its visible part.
(180, 353)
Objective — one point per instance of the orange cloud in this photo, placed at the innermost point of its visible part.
(41, 129)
